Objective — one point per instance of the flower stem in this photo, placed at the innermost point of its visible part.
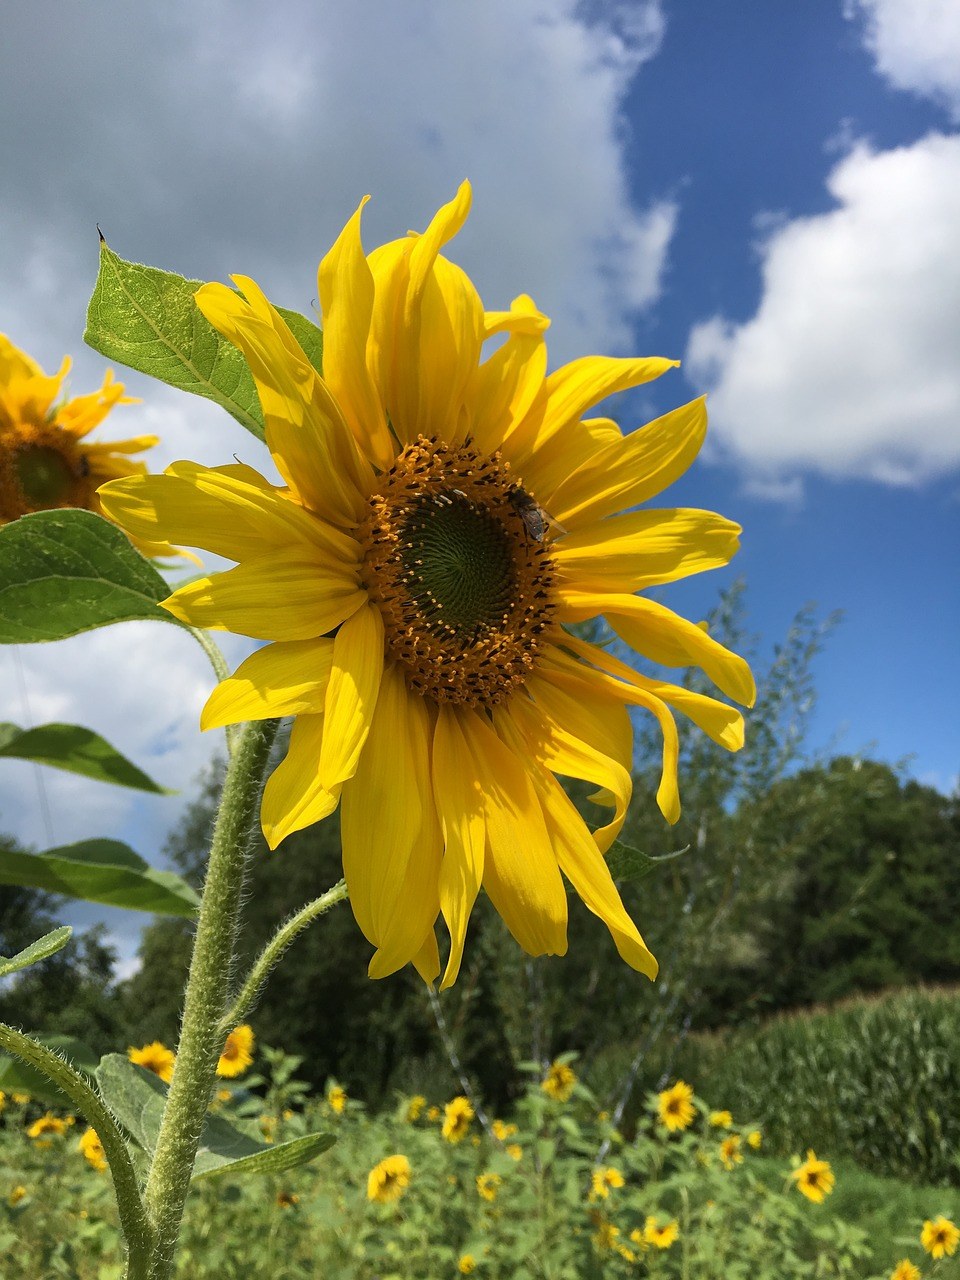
(206, 993)
(273, 951)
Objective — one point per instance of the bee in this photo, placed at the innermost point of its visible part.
(536, 521)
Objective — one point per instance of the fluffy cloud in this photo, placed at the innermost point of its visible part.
(849, 365)
(915, 44)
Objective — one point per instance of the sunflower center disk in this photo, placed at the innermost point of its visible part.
(464, 589)
(45, 475)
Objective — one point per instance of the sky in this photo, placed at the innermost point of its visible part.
(768, 191)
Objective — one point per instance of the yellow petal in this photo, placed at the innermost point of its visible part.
(345, 284)
(282, 595)
(505, 387)
(427, 959)
(389, 828)
(574, 388)
(279, 680)
(451, 335)
(221, 511)
(81, 414)
(293, 797)
(663, 636)
(571, 447)
(561, 731)
(645, 548)
(313, 447)
(458, 795)
(523, 317)
(520, 872)
(351, 694)
(632, 470)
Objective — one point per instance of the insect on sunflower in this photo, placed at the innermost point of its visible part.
(416, 596)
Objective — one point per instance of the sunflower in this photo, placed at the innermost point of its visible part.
(661, 1237)
(721, 1119)
(47, 1124)
(457, 1117)
(45, 458)
(237, 1053)
(155, 1057)
(905, 1270)
(488, 1184)
(940, 1236)
(730, 1152)
(814, 1178)
(388, 1180)
(337, 1098)
(675, 1106)
(559, 1082)
(603, 1180)
(444, 520)
(91, 1147)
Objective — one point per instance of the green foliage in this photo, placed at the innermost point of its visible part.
(875, 1079)
(76, 749)
(67, 571)
(104, 871)
(19, 1076)
(48, 945)
(148, 320)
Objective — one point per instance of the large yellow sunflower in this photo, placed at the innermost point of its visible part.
(446, 513)
(46, 460)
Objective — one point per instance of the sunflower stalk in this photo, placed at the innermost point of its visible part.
(272, 953)
(134, 1221)
(206, 994)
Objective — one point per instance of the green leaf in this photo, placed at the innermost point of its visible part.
(628, 865)
(147, 319)
(101, 871)
(18, 1077)
(48, 945)
(76, 749)
(67, 571)
(137, 1098)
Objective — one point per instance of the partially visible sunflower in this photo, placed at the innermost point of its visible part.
(47, 1125)
(488, 1184)
(814, 1178)
(388, 1180)
(457, 1117)
(675, 1106)
(559, 1082)
(721, 1119)
(905, 1270)
(730, 1151)
(155, 1057)
(92, 1148)
(603, 1181)
(940, 1236)
(415, 1107)
(237, 1053)
(445, 520)
(337, 1098)
(661, 1237)
(46, 460)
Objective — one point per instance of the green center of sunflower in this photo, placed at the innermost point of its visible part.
(45, 475)
(465, 589)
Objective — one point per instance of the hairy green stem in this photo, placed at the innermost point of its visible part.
(134, 1222)
(273, 951)
(206, 995)
(221, 669)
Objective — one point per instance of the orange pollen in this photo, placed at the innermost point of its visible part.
(461, 572)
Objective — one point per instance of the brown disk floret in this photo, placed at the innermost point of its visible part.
(41, 467)
(463, 582)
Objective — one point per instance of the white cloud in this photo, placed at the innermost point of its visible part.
(916, 45)
(849, 366)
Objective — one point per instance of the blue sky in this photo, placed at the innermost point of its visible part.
(769, 190)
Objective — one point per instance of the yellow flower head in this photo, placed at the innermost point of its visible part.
(515, 1151)
(606, 1236)
(48, 1125)
(661, 1237)
(446, 514)
(3, 1101)
(488, 1184)
(675, 1106)
(939, 1237)
(502, 1130)
(814, 1178)
(388, 1180)
(730, 1153)
(905, 1270)
(46, 460)
(17, 1194)
(603, 1181)
(21, 1099)
(287, 1199)
(433, 1114)
(155, 1057)
(754, 1139)
(237, 1052)
(415, 1107)
(457, 1117)
(92, 1148)
(467, 1264)
(337, 1097)
(559, 1082)
(721, 1119)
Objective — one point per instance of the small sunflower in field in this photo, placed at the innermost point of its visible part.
(415, 1107)
(730, 1152)
(606, 1236)
(457, 1117)
(675, 1107)
(559, 1082)
(287, 1199)
(514, 1150)
(721, 1119)
(46, 1127)
(814, 1178)
(92, 1148)
(661, 1237)
(503, 1130)
(939, 1237)
(337, 1099)
(755, 1139)
(17, 1194)
(448, 516)
(488, 1184)
(155, 1057)
(20, 1099)
(905, 1270)
(388, 1180)
(603, 1181)
(467, 1264)
(237, 1053)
